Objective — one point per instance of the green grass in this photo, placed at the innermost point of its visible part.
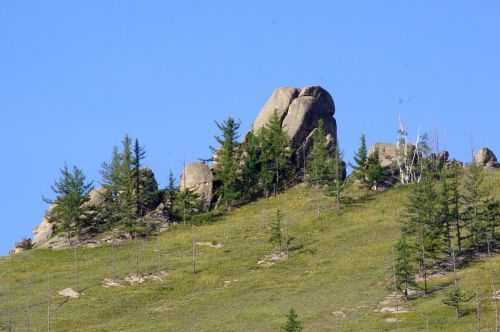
(341, 263)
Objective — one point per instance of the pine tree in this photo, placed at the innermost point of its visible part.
(227, 166)
(187, 204)
(127, 207)
(293, 323)
(374, 172)
(72, 192)
(457, 297)
(404, 268)
(138, 156)
(276, 232)
(473, 199)
(422, 224)
(492, 218)
(251, 166)
(320, 159)
(445, 212)
(456, 204)
(338, 175)
(275, 170)
(118, 180)
(361, 160)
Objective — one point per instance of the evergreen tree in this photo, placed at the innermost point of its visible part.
(227, 166)
(336, 167)
(251, 165)
(361, 160)
(169, 198)
(456, 203)
(474, 203)
(275, 170)
(72, 192)
(422, 224)
(320, 159)
(138, 156)
(374, 172)
(492, 218)
(276, 233)
(445, 212)
(187, 204)
(404, 268)
(118, 180)
(293, 323)
(457, 298)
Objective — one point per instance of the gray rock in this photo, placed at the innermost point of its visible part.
(486, 158)
(387, 153)
(279, 102)
(322, 96)
(198, 178)
(302, 118)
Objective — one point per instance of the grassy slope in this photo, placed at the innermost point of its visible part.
(344, 265)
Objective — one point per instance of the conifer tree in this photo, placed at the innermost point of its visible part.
(118, 179)
(457, 297)
(474, 199)
(422, 224)
(275, 170)
(338, 172)
(404, 268)
(72, 192)
(276, 232)
(251, 166)
(293, 323)
(456, 204)
(374, 172)
(445, 213)
(492, 218)
(361, 160)
(320, 159)
(227, 166)
(138, 156)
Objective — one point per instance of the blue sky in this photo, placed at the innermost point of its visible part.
(77, 76)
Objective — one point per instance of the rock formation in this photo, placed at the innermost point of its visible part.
(198, 178)
(387, 153)
(486, 158)
(300, 111)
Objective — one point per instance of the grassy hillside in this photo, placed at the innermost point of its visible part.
(336, 275)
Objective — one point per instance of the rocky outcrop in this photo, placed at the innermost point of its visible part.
(300, 111)
(387, 153)
(279, 102)
(43, 232)
(486, 158)
(198, 178)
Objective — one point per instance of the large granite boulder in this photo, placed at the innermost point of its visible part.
(198, 178)
(300, 111)
(486, 158)
(279, 102)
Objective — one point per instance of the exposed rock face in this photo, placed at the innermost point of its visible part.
(387, 153)
(199, 178)
(43, 232)
(300, 111)
(486, 158)
(279, 102)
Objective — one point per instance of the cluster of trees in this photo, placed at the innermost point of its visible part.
(449, 213)
(129, 192)
(258, 166)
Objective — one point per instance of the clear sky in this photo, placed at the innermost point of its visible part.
(76, 76)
